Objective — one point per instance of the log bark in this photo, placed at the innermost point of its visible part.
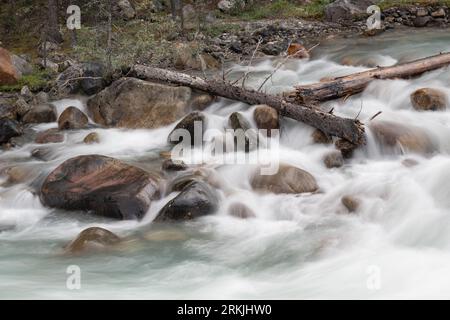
(354, 83)
(349, 129)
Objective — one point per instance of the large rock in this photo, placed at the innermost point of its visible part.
(8, 73)
(288, 179)
(40, 114)
(72, 118)
(102, 185)
(243, 132)
(133, 103)
(188, 124)
(88, 77)
(266, 118)
(8, 129)
(92, 238)
(344, 11)
(197, 199)
(428, 99)
(22, 66)
(407, 138)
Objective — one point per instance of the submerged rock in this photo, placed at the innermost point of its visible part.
(49, 136)
(333, 159)
(428, 99)
(103, 185)
(195, 200)
(240, 210)
(245, 138)
(320, 137)
(288, 179)
(351, 203)
(133, 103)
(92, 238)
(407, 138)
(72, 118)
(91, 138)
(8, 129)
(173, 165)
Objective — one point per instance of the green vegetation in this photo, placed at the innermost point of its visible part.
(35, 81)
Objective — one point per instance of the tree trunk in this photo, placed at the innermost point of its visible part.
(348, 129)
(53, 27)
(357, 82)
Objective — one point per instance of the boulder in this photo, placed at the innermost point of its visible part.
(92, 138)
(92, 238)
(125, 9)
(102, 185)
(333, 159)
(288, 179)
(197, 199)
(8, 73)
(49, 136)
(266, 118)
(133, 103)
(428, 99)
(201, 102)
(189, 56)
(88, 76)
(22, 66)
(188, 123)
(43, 113)
(240, 210)
(407, 138)
(9, 128)
(344, 11)
(420, 22)
(72, 118)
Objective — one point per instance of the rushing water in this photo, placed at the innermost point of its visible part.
(298, 246)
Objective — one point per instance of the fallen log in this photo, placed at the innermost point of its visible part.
(354, 83)
(349, 129)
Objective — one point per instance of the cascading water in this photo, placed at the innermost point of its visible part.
(298, 246)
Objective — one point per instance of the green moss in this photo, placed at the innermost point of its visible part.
(35, 81)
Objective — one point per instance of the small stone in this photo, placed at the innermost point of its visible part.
(173, 165)
(92, 138)
(72, 118)
(333, 159)
(351, 203)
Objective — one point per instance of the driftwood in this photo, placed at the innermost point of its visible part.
(349, 129)
(357, 82)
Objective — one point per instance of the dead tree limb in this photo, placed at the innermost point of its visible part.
(354, 83)
(349, 129)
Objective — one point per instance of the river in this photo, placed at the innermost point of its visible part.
(298, 246)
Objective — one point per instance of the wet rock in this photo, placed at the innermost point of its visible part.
(420, 22)
(428, 99)
(49, 136)
(9, 128)
(202, 101)
(18, 174)
(102, 185)
(8, 73)
(407, 138)
(240, 210)
(333, 159)
(92, 238)
(173, 165)
(43, 154)
(266, 118)
(351, 203)
(296, 50)
(320, 137)
(43, 113)
(133, 103)
(196, 200)
(288, 179)
(92, 138)
(245, 138)
(189, 123)
(345, 147)
(72, 118)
